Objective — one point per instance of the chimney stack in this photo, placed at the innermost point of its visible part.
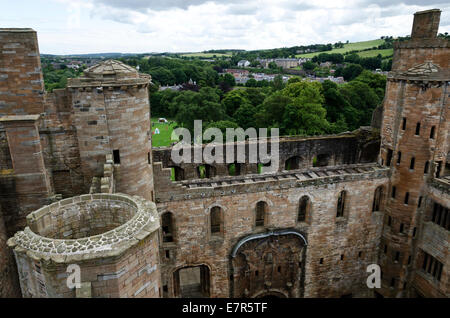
(426, 24)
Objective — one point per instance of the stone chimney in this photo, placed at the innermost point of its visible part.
(426, 24)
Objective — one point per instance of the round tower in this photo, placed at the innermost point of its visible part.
(112, 116)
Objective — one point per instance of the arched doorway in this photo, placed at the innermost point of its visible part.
(192, 282)
(271, 294)
(268, 264)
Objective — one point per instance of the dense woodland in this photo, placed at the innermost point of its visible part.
(298, 107)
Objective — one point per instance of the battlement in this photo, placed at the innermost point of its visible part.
(224, 186)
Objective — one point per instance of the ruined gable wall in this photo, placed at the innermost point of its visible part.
(328, 239)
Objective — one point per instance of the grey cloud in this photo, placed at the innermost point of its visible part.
(158, 5)
(430, 4)
(242, 9)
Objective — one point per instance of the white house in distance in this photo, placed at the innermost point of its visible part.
(243, 63)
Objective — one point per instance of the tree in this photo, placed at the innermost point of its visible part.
(270, 114)
(203, 105)
(309, 66)
(222, 125)
(245, 116)
(351, 71)
(226, 82)
(363, 100)
(251, 83)
(278, 83)
(233, 100)
(304, 118)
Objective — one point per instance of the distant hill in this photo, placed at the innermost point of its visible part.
(363, 49)
(357, 46)
(94, 55)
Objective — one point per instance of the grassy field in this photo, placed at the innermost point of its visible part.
(163, 138)
(384, 53)
(348, 47)
(205, 55)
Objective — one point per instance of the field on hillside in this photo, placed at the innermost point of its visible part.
(206, 55)
(165, 131)
(348, 47)
(384, 53)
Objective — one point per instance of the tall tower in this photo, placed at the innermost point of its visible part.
(24, 180)
(414, 143)
(112, 116)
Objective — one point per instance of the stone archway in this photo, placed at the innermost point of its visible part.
(269, 264)
(192, 282)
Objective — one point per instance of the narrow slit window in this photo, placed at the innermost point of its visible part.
(389, 158)
(402, 227)
(394, 190)
(432, 132)
(404, 123)
(341, 204)
(412, 163)
(116, 156)
(303, 209)
(399, 157)
(418, 129)
(216, 221)
(261, 210)
(427, 167)
(406, 197)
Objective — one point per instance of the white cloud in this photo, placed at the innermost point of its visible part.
(196, 25)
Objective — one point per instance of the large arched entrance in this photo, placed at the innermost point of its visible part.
(268, 264)
(192, 282)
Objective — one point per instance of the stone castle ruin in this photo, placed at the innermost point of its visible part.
(81, 187)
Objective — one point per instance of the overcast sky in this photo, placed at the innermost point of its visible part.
(137, 26)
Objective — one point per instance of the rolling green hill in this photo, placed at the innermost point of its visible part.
(351, 47)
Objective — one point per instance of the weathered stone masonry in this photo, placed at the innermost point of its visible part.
(335, 205)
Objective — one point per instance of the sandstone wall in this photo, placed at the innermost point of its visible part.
(327, 237)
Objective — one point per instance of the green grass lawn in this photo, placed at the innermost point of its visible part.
(163, 138)
(372, 53)
(348, 47)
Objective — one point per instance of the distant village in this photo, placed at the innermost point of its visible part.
(290, 66)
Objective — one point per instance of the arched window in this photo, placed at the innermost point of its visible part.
(292, 163)
(206, 171)
(176, 173)
(167, 227)
(303, 208)
(322, 160)
(341, 204)
(377, 199)
(234, 169)
(216, 220)
(432, 132)
(418, 129)
(261, 210)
